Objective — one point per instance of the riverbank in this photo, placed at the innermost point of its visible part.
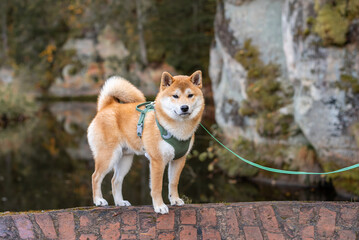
(258, 220)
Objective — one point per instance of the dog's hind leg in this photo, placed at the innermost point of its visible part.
(121, 168)
(103, 165)
(174, 171)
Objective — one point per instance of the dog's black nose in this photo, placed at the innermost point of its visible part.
(184, 108)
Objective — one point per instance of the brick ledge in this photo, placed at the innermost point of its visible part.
(250, 220)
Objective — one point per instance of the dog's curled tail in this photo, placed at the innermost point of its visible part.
(118, 87)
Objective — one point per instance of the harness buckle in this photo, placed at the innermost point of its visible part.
(139, 129)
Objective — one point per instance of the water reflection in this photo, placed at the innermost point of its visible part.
(46, 163)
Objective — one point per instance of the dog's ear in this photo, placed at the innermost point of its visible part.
(166, 80)
(196, 78)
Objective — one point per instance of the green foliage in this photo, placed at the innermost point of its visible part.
(347, 181)
(36, 31)
(263, 86)
(274, 124)
(348, 82)
(246, 109)
(177, 32)
(249, 56)
(14, 105)
(263, 93)
(186, 200)
(333, 20)
(354, 130)
(180, 33)
(331, 25)
(232, 165)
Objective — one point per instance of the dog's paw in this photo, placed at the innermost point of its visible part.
(162, 209)
(176, 201)
(100, 202)
(123, 203)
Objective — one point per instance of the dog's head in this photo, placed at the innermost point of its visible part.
(180, 97)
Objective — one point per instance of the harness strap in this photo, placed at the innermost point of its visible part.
(149, 106)
(180, 147)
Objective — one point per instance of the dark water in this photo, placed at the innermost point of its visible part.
(46, 163)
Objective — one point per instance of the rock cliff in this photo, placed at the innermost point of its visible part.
(98, 58)
(287, 88)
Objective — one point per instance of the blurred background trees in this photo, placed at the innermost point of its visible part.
(33, 33)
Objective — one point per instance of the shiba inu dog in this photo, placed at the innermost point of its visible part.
(113, 139)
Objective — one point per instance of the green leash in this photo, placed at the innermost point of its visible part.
(278, 170)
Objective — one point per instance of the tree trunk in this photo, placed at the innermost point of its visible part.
(4, 30)
(141, 39)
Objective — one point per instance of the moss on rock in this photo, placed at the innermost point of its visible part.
(234, 166)
(333, 20)
(263, 93)
(15, 105)
(354, 130)
(331, 25)
(246, 109)
(274, 124)
(262, 82)
(348, 82)
(347, 181)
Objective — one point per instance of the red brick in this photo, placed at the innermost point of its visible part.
(326, 223)
(85, 221)
(129, 220)
(188, 216)
(147, 221)
(149, 234)
(252, 233)
(210, 234)
(88, 237)
(308, 232)
(5, 230)
(125, 236)
(166, 221)
(285, 211)
(47, 226)
(24, 226)
(208, 217)
(346, 235)
(348, 216)
(268, 218)
(232, 223)
(275, 236)
(306, 215)
(247, 216)
(66, 225)
(188, 233)
(146, 209)
(147, 225)
(166, 236)
(110, 230)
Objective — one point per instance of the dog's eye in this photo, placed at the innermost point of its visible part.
(190, 95)
(175, 96)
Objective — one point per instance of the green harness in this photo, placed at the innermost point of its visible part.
(180, 147)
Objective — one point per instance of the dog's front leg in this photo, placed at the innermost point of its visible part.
(157, 168)
(174, 172)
